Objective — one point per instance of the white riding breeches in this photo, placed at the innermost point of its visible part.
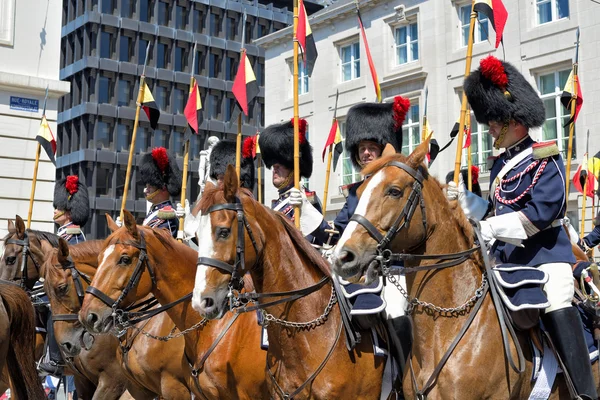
(560, 287)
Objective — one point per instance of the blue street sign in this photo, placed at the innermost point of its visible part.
(24, 104)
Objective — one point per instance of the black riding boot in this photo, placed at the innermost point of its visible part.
(566, 332)
(402, 341)
(54, 366)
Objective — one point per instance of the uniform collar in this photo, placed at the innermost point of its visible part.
(518, 147)
(67, 225)
(160, 205)
(285, 189)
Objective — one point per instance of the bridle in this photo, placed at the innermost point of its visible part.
(24, 254)
(77, 277)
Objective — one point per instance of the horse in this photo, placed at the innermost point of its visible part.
(307, 355)
(223, 359)
(402, 210)
(17, 335)
(137, 352)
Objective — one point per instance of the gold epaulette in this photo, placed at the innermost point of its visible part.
(310, 196)
(73, 230)
(544, 150)
(166, 213)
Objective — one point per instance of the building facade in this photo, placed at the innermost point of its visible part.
(102, 54)
(30, 50)
(419, 45)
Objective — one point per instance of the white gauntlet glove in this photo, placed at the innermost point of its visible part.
(507, 228)
(181, 212)
(472, 205)
(119, 222)
(295, 197)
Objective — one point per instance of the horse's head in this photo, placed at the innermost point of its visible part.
(123, 275)
(390, 213)
(65, 287)
(227, 245)
(22, 256)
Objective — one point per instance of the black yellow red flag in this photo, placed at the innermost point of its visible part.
(150, 107)
(245, 87)
(496, 13)
(306, 39)
(46, 139)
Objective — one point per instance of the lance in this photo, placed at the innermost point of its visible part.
(238, 144)
(296, 112)
(463, 108)
(186, 152)
(258, 167)
(585, 186)
(329, 157)
(469, 159)
(424, 129)
(140, 99)
(573, 110)
(36, 165)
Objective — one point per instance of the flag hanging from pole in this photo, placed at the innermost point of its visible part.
(150, 107)
(334, 139)
(434, 147)
(496, 13)
(369, 58)
(567, 97)
(305, 39)
(193, 108)
(245, 87)
(46, 139)
(582, 175)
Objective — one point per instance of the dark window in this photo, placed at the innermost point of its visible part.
(127, 8)
(103, 180)
(142, 141)
(179, 59)
(215, 106)
(178, 101)
(177, 143)
(229, 104)
(123, 137)
(180, 17)
(198, 18)
(215, 22)
(106, 47)
(248, 38)
(160, 140)
(124, 48)
(121, 175)
(161, 97)
(145, 10)
(163, 13)
(104, 90)
(108, 6)
(213, 65)
(124, 92)
(103, 135)
(231, 28)
(142, 45)
(197, 67)
(161, 57)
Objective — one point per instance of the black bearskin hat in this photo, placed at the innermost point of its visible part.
(498, 92)
(277, 147)
(72, 195)
(377, 122)
(159, 170)
(223, 154)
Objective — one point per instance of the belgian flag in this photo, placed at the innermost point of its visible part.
(245, 87)
(567, 97)
(369, 58)
(335, 140)
(496, 13)
(193, 107)
(150, 107)
(46, 139)
(306, 39)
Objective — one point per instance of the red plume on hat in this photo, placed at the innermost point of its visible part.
(159, 154)
(71, 184)
(400, 107)
(475, 173)
(249, 147)
(302, 124)
(492, 69)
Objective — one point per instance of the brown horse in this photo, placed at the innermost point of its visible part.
(305, 359)
(235, 369)
(477, 368)
(17, 331)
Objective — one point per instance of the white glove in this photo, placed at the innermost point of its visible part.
(472, 205)
(119, 222)
(181, 212)
(295, 197)
(506, 228)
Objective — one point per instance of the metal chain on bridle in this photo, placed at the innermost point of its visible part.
(172, 334)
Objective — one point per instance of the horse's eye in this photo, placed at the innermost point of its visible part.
(63, 289)
(223, 233)
(10, 260)
(394, 192)
(125, 260)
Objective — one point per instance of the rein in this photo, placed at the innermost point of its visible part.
(77, 277)
(385, 257)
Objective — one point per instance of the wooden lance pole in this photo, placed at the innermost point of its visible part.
(463, 108)
(585, 186)
(140, 99)
(296, 112)
(329, 158)
(469, 159)
(238, 143)
(573, 110)
(35, 166)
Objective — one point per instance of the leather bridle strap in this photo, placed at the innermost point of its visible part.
(26, 252)
(77, 276)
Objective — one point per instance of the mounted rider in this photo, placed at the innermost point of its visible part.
(277, 149)
(527, 203)
(369, 127)
(224, 153)
(162, 178)
(592, 239)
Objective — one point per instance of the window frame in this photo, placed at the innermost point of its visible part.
(355, 73)
(354, 173)
(478, 27)
(410, 125)
(408, 44)
(480, 157)
(553, 11)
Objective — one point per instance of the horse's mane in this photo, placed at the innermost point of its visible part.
(87, 248)
(51, 238)
(213, 195)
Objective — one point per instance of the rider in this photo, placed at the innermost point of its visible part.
(162, 178)
(223, 154)
(71, 212)
(277, 149)
(369, 127)
(527, 204)
(475, 187)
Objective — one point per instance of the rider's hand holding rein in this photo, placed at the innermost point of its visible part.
(473, 206)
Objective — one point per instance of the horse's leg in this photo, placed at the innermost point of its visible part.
(108, 388)
(85, 388)
(172, 389)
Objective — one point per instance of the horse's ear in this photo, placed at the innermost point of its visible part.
(388, 150)
(20, 227)
(230, 184)
(417, 157)
(63, 250)
(130, 224)
(112, 225)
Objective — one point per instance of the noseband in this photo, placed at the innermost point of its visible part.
(238, 268)
(403, 220)
(25, 253)
(77, 277)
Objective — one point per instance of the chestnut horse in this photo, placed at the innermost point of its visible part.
(305, 359)
(17, 335)
(400, 190)
(138, 353)
(226, 356)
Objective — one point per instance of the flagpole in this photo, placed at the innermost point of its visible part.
(329, 158)
(296, 112)
(238, 143)
(186, 154)
(140, 99)
(424, 129)
(463, 108)
(35, 167)
(572, 126)
(585, 186)
(259, 169)
(469, 159)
